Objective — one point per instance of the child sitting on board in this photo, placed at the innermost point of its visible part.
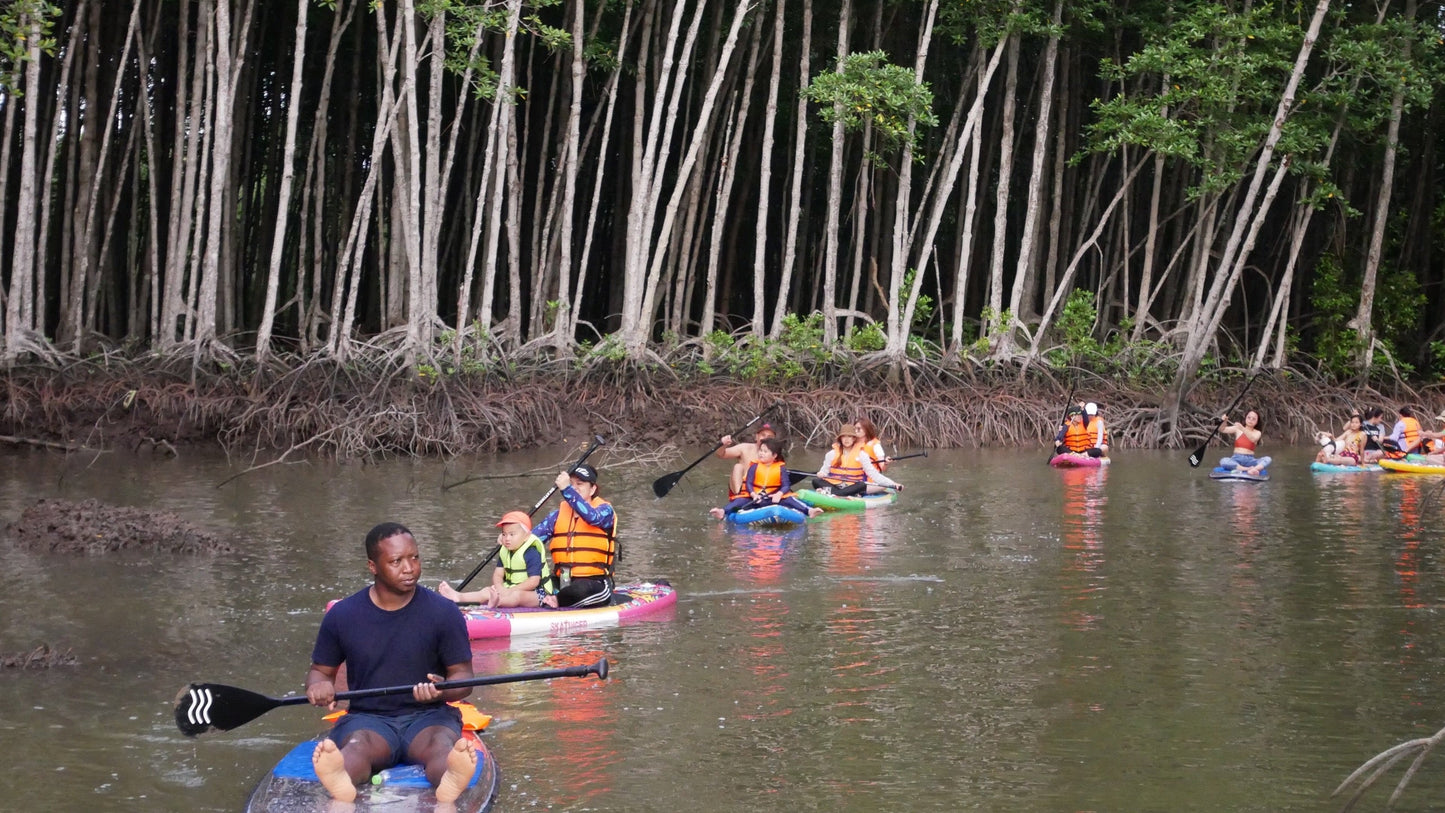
(767, 483)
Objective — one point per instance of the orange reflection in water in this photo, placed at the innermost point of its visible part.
(580, 712)
(1083, 519)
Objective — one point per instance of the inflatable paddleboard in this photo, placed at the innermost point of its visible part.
(1411, 467)
(1238, 475)
(1331, 468)
(857, 502)
(629, 602)
(292, 786)
(1070, 460)
(770, 515)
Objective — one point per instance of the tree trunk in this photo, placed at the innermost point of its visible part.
(795, 188)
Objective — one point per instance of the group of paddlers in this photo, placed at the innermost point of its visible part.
(1363, 441)
(760, 477)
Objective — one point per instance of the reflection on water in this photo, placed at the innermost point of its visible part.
(1007, 637)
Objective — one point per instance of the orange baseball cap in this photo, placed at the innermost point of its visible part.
(522, 518)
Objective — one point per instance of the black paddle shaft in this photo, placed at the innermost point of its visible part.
(1204, 447)
(597, 440)
(204, 706)
(664, 484)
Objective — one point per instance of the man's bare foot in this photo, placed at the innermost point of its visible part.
(814, 511)
(717, 513)
(448, 592)
(330, 768)
(461, 764)
(550, 601)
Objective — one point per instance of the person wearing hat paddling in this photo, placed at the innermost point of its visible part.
(393, 632)
(745, 453)
(847, 468)
(1075, 436)
(581, 536)
(523, 573)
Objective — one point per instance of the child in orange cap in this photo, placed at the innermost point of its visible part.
(523, 576)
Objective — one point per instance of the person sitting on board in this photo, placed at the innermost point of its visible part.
(1094, 424)
(393, 633)
(1246, 440)
(1373, 425)
(868, 439)
(1074, 436)
(767, 483)
(1404, 438)
(1348, 448)
(523, 573)
(847, 469)
(581, 536)
(745, 453)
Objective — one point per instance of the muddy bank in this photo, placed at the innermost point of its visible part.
(92, 528)
(344, 413)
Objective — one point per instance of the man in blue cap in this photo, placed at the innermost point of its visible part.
(581, 536)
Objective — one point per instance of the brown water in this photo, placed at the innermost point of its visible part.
(1007, 637)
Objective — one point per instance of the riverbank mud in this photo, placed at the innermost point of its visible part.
(92, 528)
(342, 413)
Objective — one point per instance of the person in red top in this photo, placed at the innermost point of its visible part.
(1246, 440)
(767, 483)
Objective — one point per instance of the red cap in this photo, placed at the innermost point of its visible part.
(519, 517)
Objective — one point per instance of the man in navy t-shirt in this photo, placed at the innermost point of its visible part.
(393, 633)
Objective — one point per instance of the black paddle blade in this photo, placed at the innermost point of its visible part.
(664, 484)
(1195, 458)
(201, 707)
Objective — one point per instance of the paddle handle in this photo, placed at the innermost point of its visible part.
(664, 484)
(1073, 387)
(804, 475)
(1204, 447)
(904, 457)
(597, 440)
(599, 668)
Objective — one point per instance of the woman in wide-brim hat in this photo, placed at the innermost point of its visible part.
(847, 468)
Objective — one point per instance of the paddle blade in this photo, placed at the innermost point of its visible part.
(1195, 458)
(664, 484)
(201, 707)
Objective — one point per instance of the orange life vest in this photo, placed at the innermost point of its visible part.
(1096, 429)
(874, 448)
(1412, 438)
(764, 479)
(583, 549)
(846, 465)
(1077, 438)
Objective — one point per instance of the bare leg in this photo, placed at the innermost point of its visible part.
(330, 768)
(461, 764)
(717, 513)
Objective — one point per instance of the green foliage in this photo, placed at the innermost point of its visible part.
(1141, 363)
(865, 338)
(923, 309)
(1398, 308)
(797, 353)
(1225, 72)
(16, 20)
(869, 91)
(465, 24)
